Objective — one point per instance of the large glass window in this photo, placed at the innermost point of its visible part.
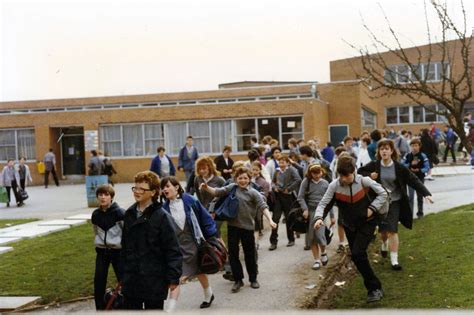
(392, 115)
(201, 135)
(15, 143)
(429, 115)
(154, 138)
(434, 71)
(292, 127)
(221, 135)
(402, 71)
(176, 137)
(132, 140)
(244, 130)
(404, 114)
(414, 114)
(417, 114)
(268, 127)
(368, 119)
(111, 138)
(390, 75)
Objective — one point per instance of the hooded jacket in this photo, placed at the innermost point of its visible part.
(108, 226)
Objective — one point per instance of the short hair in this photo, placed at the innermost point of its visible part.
(387, 143)
(346, 165)
(261, 148)
(106, 190)
(299, 141)
(226, 148)
(254, 139)
(375, 135)
(151, 179)
(339, 150)
(403, 132)
(206, 161)
(22, 158)
(253, 155)
(275, 148)
(285, 158)
(174, 181)
(292, 141)
(242, 170)
(347, 138)
(160, 149)
(294, 156)
(366, 140)
(306, 150)
(237, 164)
(94, 152)
(274, 142)
(416, 141)
(314, 168)
(189, 137)
(257, 164)
(266, 139)
(50, 149)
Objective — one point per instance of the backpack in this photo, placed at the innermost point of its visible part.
(212, 255)
(108, 168)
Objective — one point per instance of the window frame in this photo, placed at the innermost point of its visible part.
(17, 153)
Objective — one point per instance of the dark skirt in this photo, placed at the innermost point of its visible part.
(390, 223)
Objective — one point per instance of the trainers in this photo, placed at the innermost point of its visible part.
(254, 284)
(324, 259)
(291, 243)
(374, 296)
(237, 285)
(272, 247)
(316, 265)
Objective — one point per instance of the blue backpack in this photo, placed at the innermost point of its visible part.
(226, 208)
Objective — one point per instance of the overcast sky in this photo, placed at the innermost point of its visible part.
(66, 49)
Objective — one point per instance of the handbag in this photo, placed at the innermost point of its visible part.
(113, 298)
(23, 194)
(212, 255)
(227, 210)
(296, 221)
(3, 195)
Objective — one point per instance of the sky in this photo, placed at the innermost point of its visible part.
(69, 49)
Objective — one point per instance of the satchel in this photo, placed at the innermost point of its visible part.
(295, 220)
(3, 195)
(212, 255)
(227, 210)
(113, 298)
(23, 194)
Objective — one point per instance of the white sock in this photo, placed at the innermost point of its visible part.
(324, 257)
(171, 305)
(384, 246)
(394, 258)
(207, 294)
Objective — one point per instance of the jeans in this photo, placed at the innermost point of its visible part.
(104, 258)
(359, 240)
(247, 237)
(282, 206)
(419, 197)
(449, 147)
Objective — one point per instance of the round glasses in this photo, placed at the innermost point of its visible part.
(140, 190)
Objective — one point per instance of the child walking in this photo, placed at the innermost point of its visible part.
(107, 222)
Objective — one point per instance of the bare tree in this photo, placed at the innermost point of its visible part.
(452, 88)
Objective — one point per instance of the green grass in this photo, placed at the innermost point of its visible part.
(438, 266)
(57, 267)
(7, 223)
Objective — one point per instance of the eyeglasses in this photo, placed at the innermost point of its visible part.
(140, 190)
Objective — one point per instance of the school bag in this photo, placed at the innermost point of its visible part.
(383, 211)
(113, 298)
(295, 220)
(226, 208)
(212, 255)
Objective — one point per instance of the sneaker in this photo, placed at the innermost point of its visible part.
(237, 285)
(374, 296)
(316, 265)
(340, 249)
(324, 259)
(429, 177)
(291, 243)
(272, 247)
(396, 267)
(254, 284)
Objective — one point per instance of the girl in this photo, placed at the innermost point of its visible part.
(241, 228)
(192, 223)
(259, 180)
(107, 222)
(312, 189)
(395, 177)
(11, 179)
(206, 172)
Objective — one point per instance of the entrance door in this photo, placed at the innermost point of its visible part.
(72, 146)
(337, 133)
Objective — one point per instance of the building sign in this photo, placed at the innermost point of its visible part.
(91, 140)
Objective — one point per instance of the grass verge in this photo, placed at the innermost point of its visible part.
(8, 222)
(438, 262)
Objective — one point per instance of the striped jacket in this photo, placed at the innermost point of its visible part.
(352, 200)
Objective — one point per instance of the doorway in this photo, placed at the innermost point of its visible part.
(72, 150)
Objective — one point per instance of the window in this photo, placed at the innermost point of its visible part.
(268, 127)
(132, 140)
(402, 74)
(430, 71)
(221, 134)
(418, 114)
(390, 75)
(292, 127)
(433, 71)
(404, 114)
(392, 115)
(201, 135)
(244, 130)
(176, 137)
(111, 137)
(368, 119)
(429, 115)
(17, 142)
(154, 138)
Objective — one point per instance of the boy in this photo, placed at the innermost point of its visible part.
(285, 184)
(358, 217)
(107, 222)
(418, 163)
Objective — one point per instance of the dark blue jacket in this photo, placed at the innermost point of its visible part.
(328, 154)
(156, 166)
(206, 223)
(184, 161)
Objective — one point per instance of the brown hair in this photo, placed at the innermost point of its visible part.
(236, 165)
(273, 142)
(266, 139)
(339, 150)
(292, 141)
(387, 143)
(174, 181)
(242, 170)
(226, 148)
(284, 157)
(345, 165)
(415, 141)
(259, 165)
(106, 190)
(314, 168)
(151, 179)
(347, 138)
(206, 161)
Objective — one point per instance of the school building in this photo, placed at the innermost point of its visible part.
(130, 128)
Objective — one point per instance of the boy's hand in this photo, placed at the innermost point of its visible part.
(305, 214)
(318, 224)
(273, 224)
(429, 199)
(203, 186)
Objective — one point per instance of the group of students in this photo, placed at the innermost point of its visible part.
(15, 177)
(153, 246)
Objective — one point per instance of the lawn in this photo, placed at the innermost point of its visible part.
(438, 266)
(8, 223)
(57, 267)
